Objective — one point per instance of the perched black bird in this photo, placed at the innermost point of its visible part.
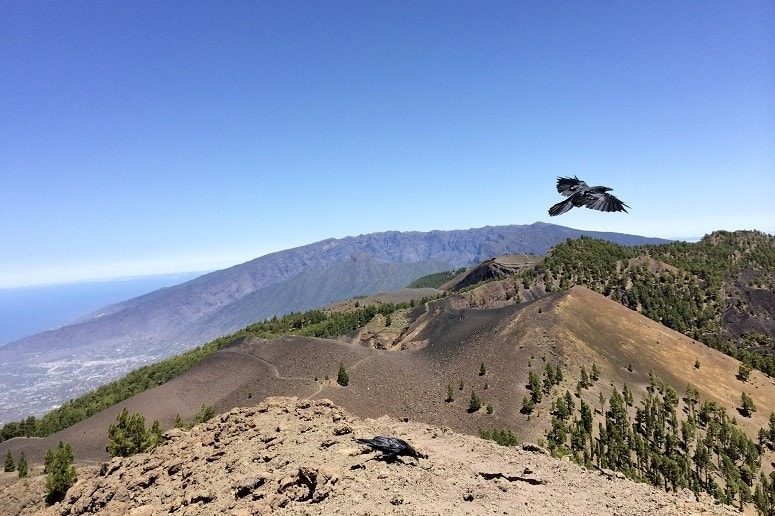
(579, 194)
(391, 447)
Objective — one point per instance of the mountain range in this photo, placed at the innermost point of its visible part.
(40, 371)
(594, 352)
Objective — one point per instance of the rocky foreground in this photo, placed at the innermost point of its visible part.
(298, 457)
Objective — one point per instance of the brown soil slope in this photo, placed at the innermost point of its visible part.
(229, 378)
(298, 457)
(447, 347)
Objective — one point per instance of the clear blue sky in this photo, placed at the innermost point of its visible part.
(141, 138)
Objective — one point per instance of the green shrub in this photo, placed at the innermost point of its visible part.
(22, 467)
(60, 473)
(475, 403)
(9, 463)
(127, 435)
(206, 413)
(450, 394)
(504, 437)
(342, 378)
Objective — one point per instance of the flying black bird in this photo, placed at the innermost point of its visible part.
(579, 194)
(391, 447)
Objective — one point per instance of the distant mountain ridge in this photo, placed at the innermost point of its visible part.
(38, 370)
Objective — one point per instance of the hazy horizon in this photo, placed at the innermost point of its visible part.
(25, 311)
(149, 138)
(193, 268)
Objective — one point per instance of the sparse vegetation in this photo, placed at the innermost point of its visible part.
(504, 436)
(436, 279)
(314, 323)
(705, 451)
(685, 295)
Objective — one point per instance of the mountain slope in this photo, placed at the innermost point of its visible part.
(44, 369)
(573, 329)
(299, 457)
(719, 290)
(448, 354)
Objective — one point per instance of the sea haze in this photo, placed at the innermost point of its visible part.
(28, 310)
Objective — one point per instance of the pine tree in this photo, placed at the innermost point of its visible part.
(450, 394)
(586, 417)
(569, 402)
(743, 372)
(342, 378)
(474, 403)
(561, 409)
(206, 413)
(595, 373)
(584, 381)
(527, 405)
(697, 364)
(557, 435)
(9, 463)
(155, 435)
(60, 473)
(48, 459)
(746, 405)
(627, 395)
(771, 431)
(534, 384)
(482, 370)
(128, 435)
(22, 467)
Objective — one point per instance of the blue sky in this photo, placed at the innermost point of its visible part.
(142, 138)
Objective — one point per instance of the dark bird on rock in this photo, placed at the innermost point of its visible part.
(580, 194)
(391, 447)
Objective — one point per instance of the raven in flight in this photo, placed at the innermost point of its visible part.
(391, 447)
(579, 194)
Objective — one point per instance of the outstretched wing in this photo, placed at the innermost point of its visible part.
(567, 186)
(576, 199)
(605, 202)
(379, 442)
